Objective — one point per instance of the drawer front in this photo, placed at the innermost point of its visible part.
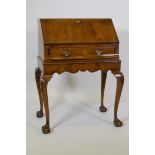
(59, 53)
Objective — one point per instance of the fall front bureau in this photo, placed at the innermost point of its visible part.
(72, 45)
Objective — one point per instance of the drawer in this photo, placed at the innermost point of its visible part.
(59, 53)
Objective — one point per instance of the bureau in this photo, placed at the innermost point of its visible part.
(72, 45)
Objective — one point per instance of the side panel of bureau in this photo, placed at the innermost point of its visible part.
(40, 41)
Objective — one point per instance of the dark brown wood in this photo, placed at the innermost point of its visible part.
(72, 45)
(120, 81)
(37, 77)
(103, 81)
(44, 81)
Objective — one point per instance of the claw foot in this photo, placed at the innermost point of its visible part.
(46, 129)
(39, 114)
(118, 123)
(102, 109)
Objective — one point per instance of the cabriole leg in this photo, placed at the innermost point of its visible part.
(120, 81)
(44, 81)
(37, 77)
(102, 108)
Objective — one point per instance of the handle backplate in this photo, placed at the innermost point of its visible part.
(99, 52)
(66, 53)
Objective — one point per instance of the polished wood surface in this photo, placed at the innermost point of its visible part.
(102, 108)
(80, 52)
(44, 81)
(72, 45)
(61, 31)
(120, 81)
(38, 83)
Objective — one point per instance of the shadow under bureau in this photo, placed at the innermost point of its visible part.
(72, 45)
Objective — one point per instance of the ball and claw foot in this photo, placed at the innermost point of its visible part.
(46, 129)
(118, 123)
(39, 114)
(102, 109)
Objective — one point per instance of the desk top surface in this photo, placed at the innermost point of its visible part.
(77, 31)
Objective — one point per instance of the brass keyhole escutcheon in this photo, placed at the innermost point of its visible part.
(77, 21)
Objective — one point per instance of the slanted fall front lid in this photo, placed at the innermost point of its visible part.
(76, 31)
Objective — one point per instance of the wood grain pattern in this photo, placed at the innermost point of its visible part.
(75, 67)
(61, 31)
(72, 45)
(79, 52)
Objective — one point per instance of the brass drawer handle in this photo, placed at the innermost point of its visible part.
(99, 52)
(66, 53)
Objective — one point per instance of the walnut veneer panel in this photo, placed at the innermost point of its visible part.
(60, 31)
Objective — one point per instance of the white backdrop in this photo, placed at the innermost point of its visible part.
(78, 89)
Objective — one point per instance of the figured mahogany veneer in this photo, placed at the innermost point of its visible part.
(79, 52)
(74, 45)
